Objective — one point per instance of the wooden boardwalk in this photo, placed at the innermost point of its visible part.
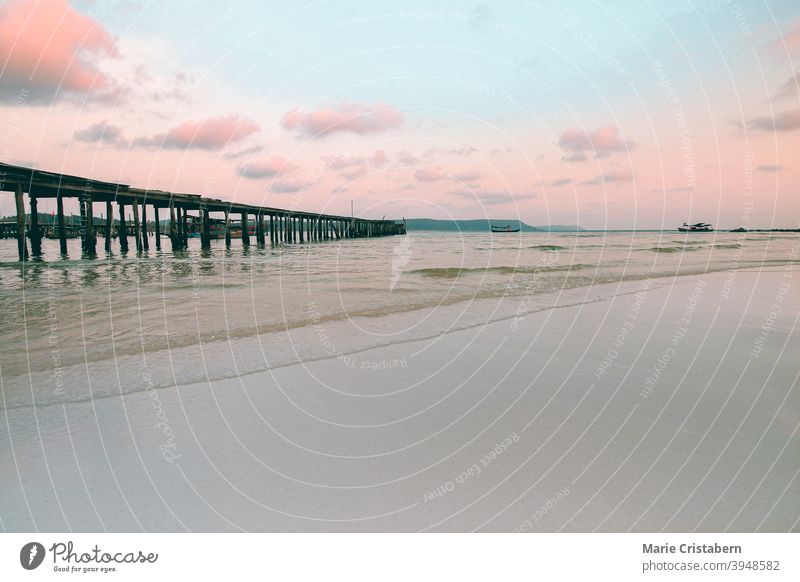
(183, 210)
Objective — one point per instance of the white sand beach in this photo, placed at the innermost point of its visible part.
(669, 404)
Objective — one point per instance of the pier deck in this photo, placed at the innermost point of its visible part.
(281, 225)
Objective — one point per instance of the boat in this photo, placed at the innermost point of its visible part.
(699, 227)
(506, 228)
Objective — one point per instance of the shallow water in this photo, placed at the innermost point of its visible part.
(64, 311)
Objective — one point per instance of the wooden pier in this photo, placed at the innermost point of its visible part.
(184, 212)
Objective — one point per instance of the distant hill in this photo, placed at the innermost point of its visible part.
(481, 225)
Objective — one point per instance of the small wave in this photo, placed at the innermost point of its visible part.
(690, 242)
(455, 272)
(672, 249)
(728, 246)
(768, 237)
(547, 247)
(497, 248)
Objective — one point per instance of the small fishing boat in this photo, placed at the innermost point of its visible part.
(699, 227)
(506, 228)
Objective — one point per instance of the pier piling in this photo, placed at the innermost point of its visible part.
(62, 229)
(22, 242)
(34, 233)
(122, 230)
(109, 225)
(272, 229)
(245, 231)
(145, 237)
(205, 230)
(137, 226)
(173, 227)
(227, 228)
(158, 228)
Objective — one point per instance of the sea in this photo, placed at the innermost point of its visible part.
(185, 316)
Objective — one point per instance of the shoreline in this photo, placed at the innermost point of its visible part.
(323, 446)
(250, 346)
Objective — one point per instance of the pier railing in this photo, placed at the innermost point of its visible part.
(282, 226)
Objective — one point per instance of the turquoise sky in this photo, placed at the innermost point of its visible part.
(371, 50)
(608, 114)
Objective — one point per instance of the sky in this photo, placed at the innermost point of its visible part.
(614, 114)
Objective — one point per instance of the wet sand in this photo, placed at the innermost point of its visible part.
(669, 404)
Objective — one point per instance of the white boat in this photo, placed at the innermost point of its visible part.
(699, 227)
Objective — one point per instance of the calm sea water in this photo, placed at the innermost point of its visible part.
(59, 312)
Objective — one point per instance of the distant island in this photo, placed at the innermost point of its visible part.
(483, 225)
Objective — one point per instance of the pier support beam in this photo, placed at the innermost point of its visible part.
(227, 228)
(34, 233)
(186, 228)
(260, 229)
(145, 234)
(122, 230)
(173, 227)
(205, 230)
(158, 228)
(182, 235)
(245, 230)
(109, 225)
(137, 226)
(181, 227)
(62, 228)
(22, 242)
(87, 213)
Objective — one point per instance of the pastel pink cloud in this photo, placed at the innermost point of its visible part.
(783, 121)
(469, 176)
(790, 40)
(274, 166)
(602, 142)
(430, 174)
(47, 47)
(206, 134)
(358, 118)
(377, 159)
(613, 175)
